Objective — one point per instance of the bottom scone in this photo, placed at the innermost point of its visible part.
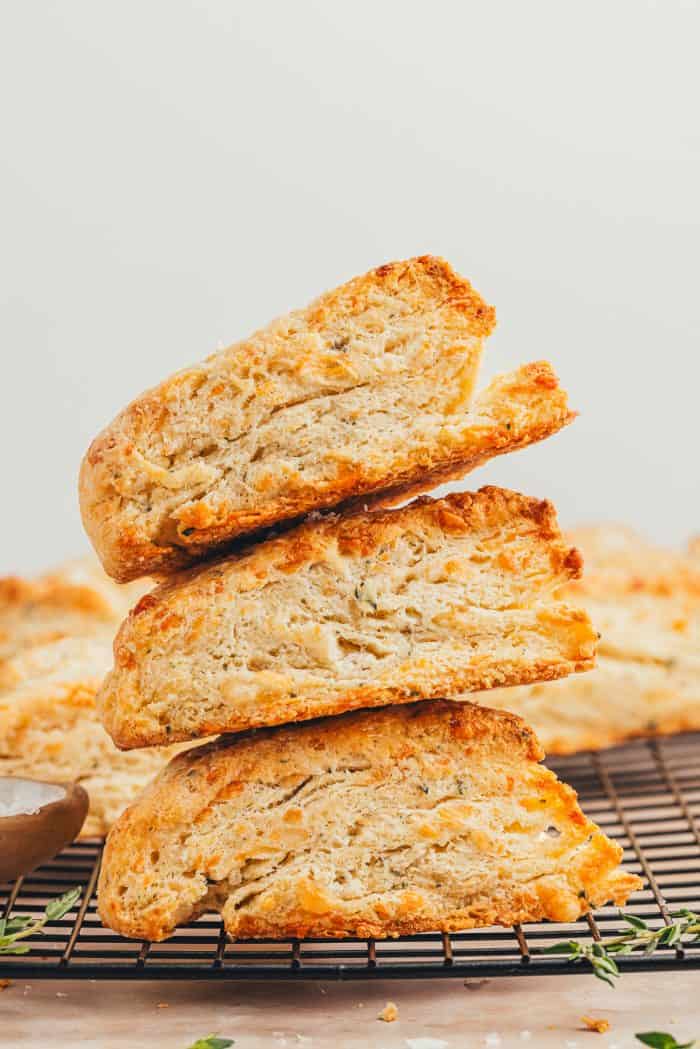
(433, 816)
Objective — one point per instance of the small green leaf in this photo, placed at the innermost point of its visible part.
(6, 941)
(15, 948)
(601, 966)
(605, 977)
(211, 1042)
(20, 926)
(608, 964)
(60, 906)
(565, 947)
(15, 924)
(620, 948)
(661, 1040)
(636, 923)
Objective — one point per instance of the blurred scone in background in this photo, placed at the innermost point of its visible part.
(645, 602)
(56, 635)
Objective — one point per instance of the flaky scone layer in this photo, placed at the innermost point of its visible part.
(368, 388)
(49, 729)
(433, 816)
(357, 610)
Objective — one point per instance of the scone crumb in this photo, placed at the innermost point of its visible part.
(5, 983)
(162, 1005)
(389, 1013)
(591, 1024)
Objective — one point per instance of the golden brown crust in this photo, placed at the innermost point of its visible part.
(436, 813)
(361, 533)
(368, 389)
(435, 277)
(297, 627)
(513, 412)
(343, 340)
(523, 407)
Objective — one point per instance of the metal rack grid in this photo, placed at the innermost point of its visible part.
(645, 795)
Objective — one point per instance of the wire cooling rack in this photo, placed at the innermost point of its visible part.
(645, 795)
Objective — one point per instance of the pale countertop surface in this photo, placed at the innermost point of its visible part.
(504, 1013)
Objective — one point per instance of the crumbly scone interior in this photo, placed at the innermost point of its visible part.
(426, 600)
(300, 840)
(307, 443)
(313, 452)
(342, 372)
(313, 445)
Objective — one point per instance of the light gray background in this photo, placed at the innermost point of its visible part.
(174, 174)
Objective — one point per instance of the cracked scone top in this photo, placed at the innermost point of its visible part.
(368, 389)
(352, 610)
(432, 816)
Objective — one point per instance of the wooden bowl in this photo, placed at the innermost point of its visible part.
(44, 817)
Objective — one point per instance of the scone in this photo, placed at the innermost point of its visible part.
(368, 388)
(645, 601)
(433, 816)
(357, 610)
(74, 600)
(619, 700)
(49, 728)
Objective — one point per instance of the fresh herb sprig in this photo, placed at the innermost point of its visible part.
(19, 927)
(211, 1042)
(661, 1040)
(600, 955)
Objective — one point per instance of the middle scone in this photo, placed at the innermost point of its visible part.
(435, 599)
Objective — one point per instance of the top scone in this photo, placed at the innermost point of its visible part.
(367, 390)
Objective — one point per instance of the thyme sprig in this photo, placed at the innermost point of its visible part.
(600, 955)
(19, 927)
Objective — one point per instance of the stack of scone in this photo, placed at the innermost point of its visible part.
(427, 814)
(56, 635)
(645, 601)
